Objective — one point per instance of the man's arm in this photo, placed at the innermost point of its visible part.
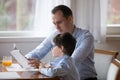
(84, 48)
(38, 53)
(41, 50)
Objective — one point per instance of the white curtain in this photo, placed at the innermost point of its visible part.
(88, 14)
(91, 15)
(43, 18)
(103, 9)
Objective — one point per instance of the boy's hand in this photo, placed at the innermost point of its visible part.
(41, 65)
(34, 62)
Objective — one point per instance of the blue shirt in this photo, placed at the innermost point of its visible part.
(63, 67)
(83, 53)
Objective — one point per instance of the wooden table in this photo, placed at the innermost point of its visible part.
(30, 75)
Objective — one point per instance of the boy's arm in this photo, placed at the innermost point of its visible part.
(53, 71)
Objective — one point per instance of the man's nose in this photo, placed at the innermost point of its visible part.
(57, 26)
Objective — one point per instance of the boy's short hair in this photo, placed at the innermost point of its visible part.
(67, 41)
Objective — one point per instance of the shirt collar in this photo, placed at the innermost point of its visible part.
(62, 57)
(74, 32)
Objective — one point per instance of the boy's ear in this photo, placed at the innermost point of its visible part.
(62, 48)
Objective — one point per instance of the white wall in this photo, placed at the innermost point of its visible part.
(26, 45)
(109, 45)
(6, 45)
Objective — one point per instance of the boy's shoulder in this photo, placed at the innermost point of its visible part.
(66, 60)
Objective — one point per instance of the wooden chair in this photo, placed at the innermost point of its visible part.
(114, 70)
(103, 59)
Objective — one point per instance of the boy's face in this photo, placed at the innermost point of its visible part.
(57, 51)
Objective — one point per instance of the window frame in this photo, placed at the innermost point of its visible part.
(19, 36)
(113, 32)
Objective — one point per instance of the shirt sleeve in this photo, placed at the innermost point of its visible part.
(41, 50)
(55, 71)
(85, 46)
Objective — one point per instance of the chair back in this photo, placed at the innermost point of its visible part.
(114, 70)
(102, 60)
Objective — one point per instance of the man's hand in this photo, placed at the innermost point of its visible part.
(42, 66)
(34, 62)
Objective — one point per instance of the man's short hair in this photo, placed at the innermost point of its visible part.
(65, 10)
(67, 41)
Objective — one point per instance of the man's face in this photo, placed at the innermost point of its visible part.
(62, 23)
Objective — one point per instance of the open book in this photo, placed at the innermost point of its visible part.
(20, 59)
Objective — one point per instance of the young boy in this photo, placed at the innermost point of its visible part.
(63, 65)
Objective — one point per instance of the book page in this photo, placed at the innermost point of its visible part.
(20, 59)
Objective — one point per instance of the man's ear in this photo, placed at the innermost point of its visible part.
(70, 18)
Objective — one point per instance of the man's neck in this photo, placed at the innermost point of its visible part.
(72, 29)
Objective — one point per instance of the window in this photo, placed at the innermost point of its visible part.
(113, 21)
(26, 18)
(16, 15)
(114, 12)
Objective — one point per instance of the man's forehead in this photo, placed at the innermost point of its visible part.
(57, 17)
(58, 14)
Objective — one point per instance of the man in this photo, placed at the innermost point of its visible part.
(83, 53)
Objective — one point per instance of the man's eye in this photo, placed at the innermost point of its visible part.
(59, 22)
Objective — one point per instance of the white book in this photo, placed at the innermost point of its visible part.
(20, 59)
(17, 67)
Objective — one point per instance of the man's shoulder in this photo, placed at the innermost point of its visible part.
(52, 34)
(83, 31)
